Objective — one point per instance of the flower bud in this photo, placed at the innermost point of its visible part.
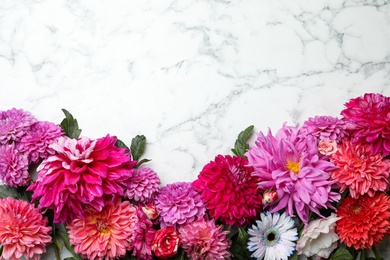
(150, 211)
(327, 147)
(270, 196)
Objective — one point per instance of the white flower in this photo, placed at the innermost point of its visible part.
(273, 237)
(318, 238)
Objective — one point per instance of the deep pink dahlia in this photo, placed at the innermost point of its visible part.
(324, 128)
(142, 236)
(82, 173)
(23, 230)
(36, 142)
(229, 190)
(13, 166)
(203, 240)
(105, 234)
(144, 184)
(290, 165)
(359, 170)
(368, 121)
(178, 203)
(14, 123)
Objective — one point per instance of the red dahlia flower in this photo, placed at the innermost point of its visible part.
(368, 121)
(229, 190)
(82, 173)
(364, 221)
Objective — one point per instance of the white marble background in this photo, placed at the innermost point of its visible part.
(190, 74)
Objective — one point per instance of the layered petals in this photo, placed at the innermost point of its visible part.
(82, 173)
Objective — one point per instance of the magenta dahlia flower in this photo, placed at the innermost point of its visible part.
(359, 170)
(324, 128)
(143, 236)
(105, 234)
(368, 121)
(178, 203)
(291, 166)
(144, 184)
(36, 143)
(229, 190)
(14, 123)
(13, 166)
(23, 230)
(82, 173)
(202, 239)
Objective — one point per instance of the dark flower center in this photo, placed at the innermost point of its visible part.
(271, 237)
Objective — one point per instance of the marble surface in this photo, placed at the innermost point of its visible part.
(190, 74)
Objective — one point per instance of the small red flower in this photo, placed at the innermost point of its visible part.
(166, 242)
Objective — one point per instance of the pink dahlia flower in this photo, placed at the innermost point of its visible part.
(290, 165)
(368, 121)
(178, 203)
(359, 170)
(14, 123)
(23, 230)
(13, 166)
(82, 173)
(144, 184)
(229, 190)
(324, 128)
(36, 141)
(105, 234)
(203, 240)
(143, 236)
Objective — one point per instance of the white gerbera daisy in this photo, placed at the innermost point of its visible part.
(273, 238)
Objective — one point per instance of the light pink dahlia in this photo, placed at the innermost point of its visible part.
(36, 143)
(368, 121)
(178, 203)
(229, 190)
(144, 184)
(13, 166)
(359, 170)
(14, 123)
(290, 165)
(203, 240)
(105, 234)
(82, 173)
(23, 230)
(142, 236)
(324, 128)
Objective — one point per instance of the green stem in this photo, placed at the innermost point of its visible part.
(363, 254)
(377, 257)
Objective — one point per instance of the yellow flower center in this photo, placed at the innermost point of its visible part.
(102, 227)
(293, 166)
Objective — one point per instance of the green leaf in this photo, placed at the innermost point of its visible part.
(7, 191)
(241, 145)
(137, 147)
(239, 245)
(342, 254)
(69, 125)
(121, 144)
(64, 236)
(141, 162)
(294, 256)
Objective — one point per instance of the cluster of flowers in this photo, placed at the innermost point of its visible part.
(311, 190)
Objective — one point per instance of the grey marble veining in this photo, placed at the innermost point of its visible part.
(190, 74)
